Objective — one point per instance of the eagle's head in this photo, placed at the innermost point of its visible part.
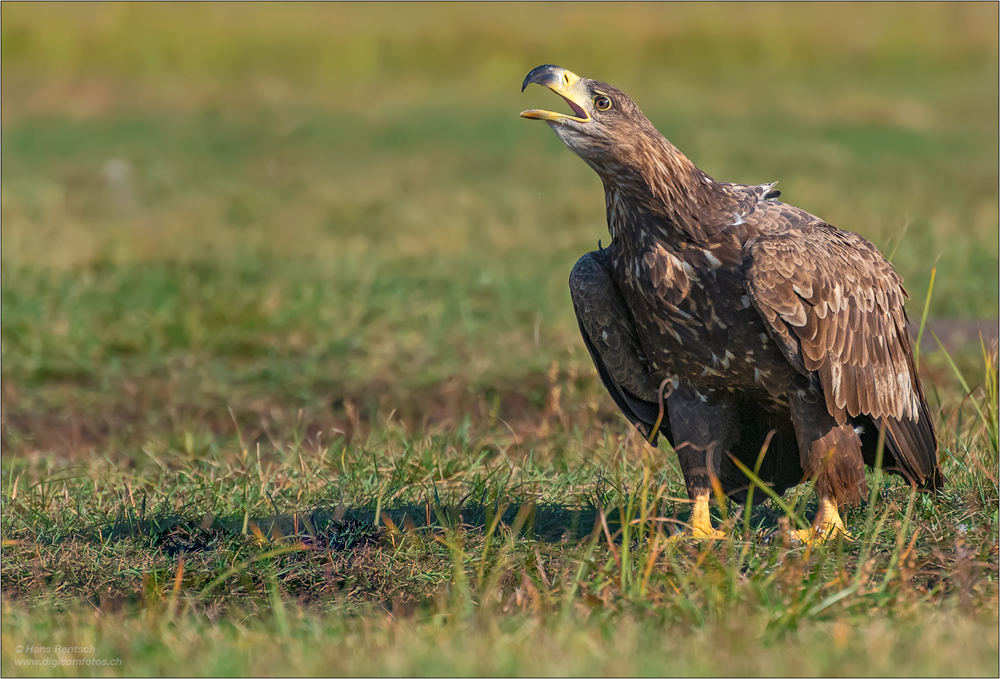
(646, 179)
(606, 128)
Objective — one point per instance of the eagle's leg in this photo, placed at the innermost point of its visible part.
(701, 521)
(704, 430)
(831, 454)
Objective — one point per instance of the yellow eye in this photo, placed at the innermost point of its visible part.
(602, 103)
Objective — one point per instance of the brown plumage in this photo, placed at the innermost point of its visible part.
(760, 317)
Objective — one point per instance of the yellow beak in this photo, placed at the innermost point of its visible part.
(567, 85)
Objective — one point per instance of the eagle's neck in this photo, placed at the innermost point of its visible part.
(661, 194)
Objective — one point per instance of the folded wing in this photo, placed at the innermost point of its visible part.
(609, 332)
(835, 307)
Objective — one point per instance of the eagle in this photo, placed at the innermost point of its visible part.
(739, 326)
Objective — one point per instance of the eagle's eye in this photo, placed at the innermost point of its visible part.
(602, 103)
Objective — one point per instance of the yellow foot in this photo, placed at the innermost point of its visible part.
(826, 525)
(816, 536)
(699, 534)
(701, 522)
(712, 534)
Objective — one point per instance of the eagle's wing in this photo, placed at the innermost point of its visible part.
(835, 307)
(608, 330)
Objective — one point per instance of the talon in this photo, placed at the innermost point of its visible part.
(817, 536)
(713, 534)
(698, 534)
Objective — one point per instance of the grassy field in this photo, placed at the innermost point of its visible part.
(291, 382)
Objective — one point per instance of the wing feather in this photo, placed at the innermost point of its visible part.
(609, 333)
(836, 307)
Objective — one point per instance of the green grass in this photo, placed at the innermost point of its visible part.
(291, 380)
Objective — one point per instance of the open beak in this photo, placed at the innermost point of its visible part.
(567, 85)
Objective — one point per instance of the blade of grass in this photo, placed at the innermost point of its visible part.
(756, 470)
(958, 374)
(923, 318)
(243, 565)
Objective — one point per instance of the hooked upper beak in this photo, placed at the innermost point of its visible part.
(567, 85)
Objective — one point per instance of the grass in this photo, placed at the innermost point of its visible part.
(276, 547)
(291, 381)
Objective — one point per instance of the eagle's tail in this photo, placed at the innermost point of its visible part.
(910, 449)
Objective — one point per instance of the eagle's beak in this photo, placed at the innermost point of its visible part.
(567, 85)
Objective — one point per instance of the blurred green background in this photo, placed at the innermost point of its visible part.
(263, 205)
